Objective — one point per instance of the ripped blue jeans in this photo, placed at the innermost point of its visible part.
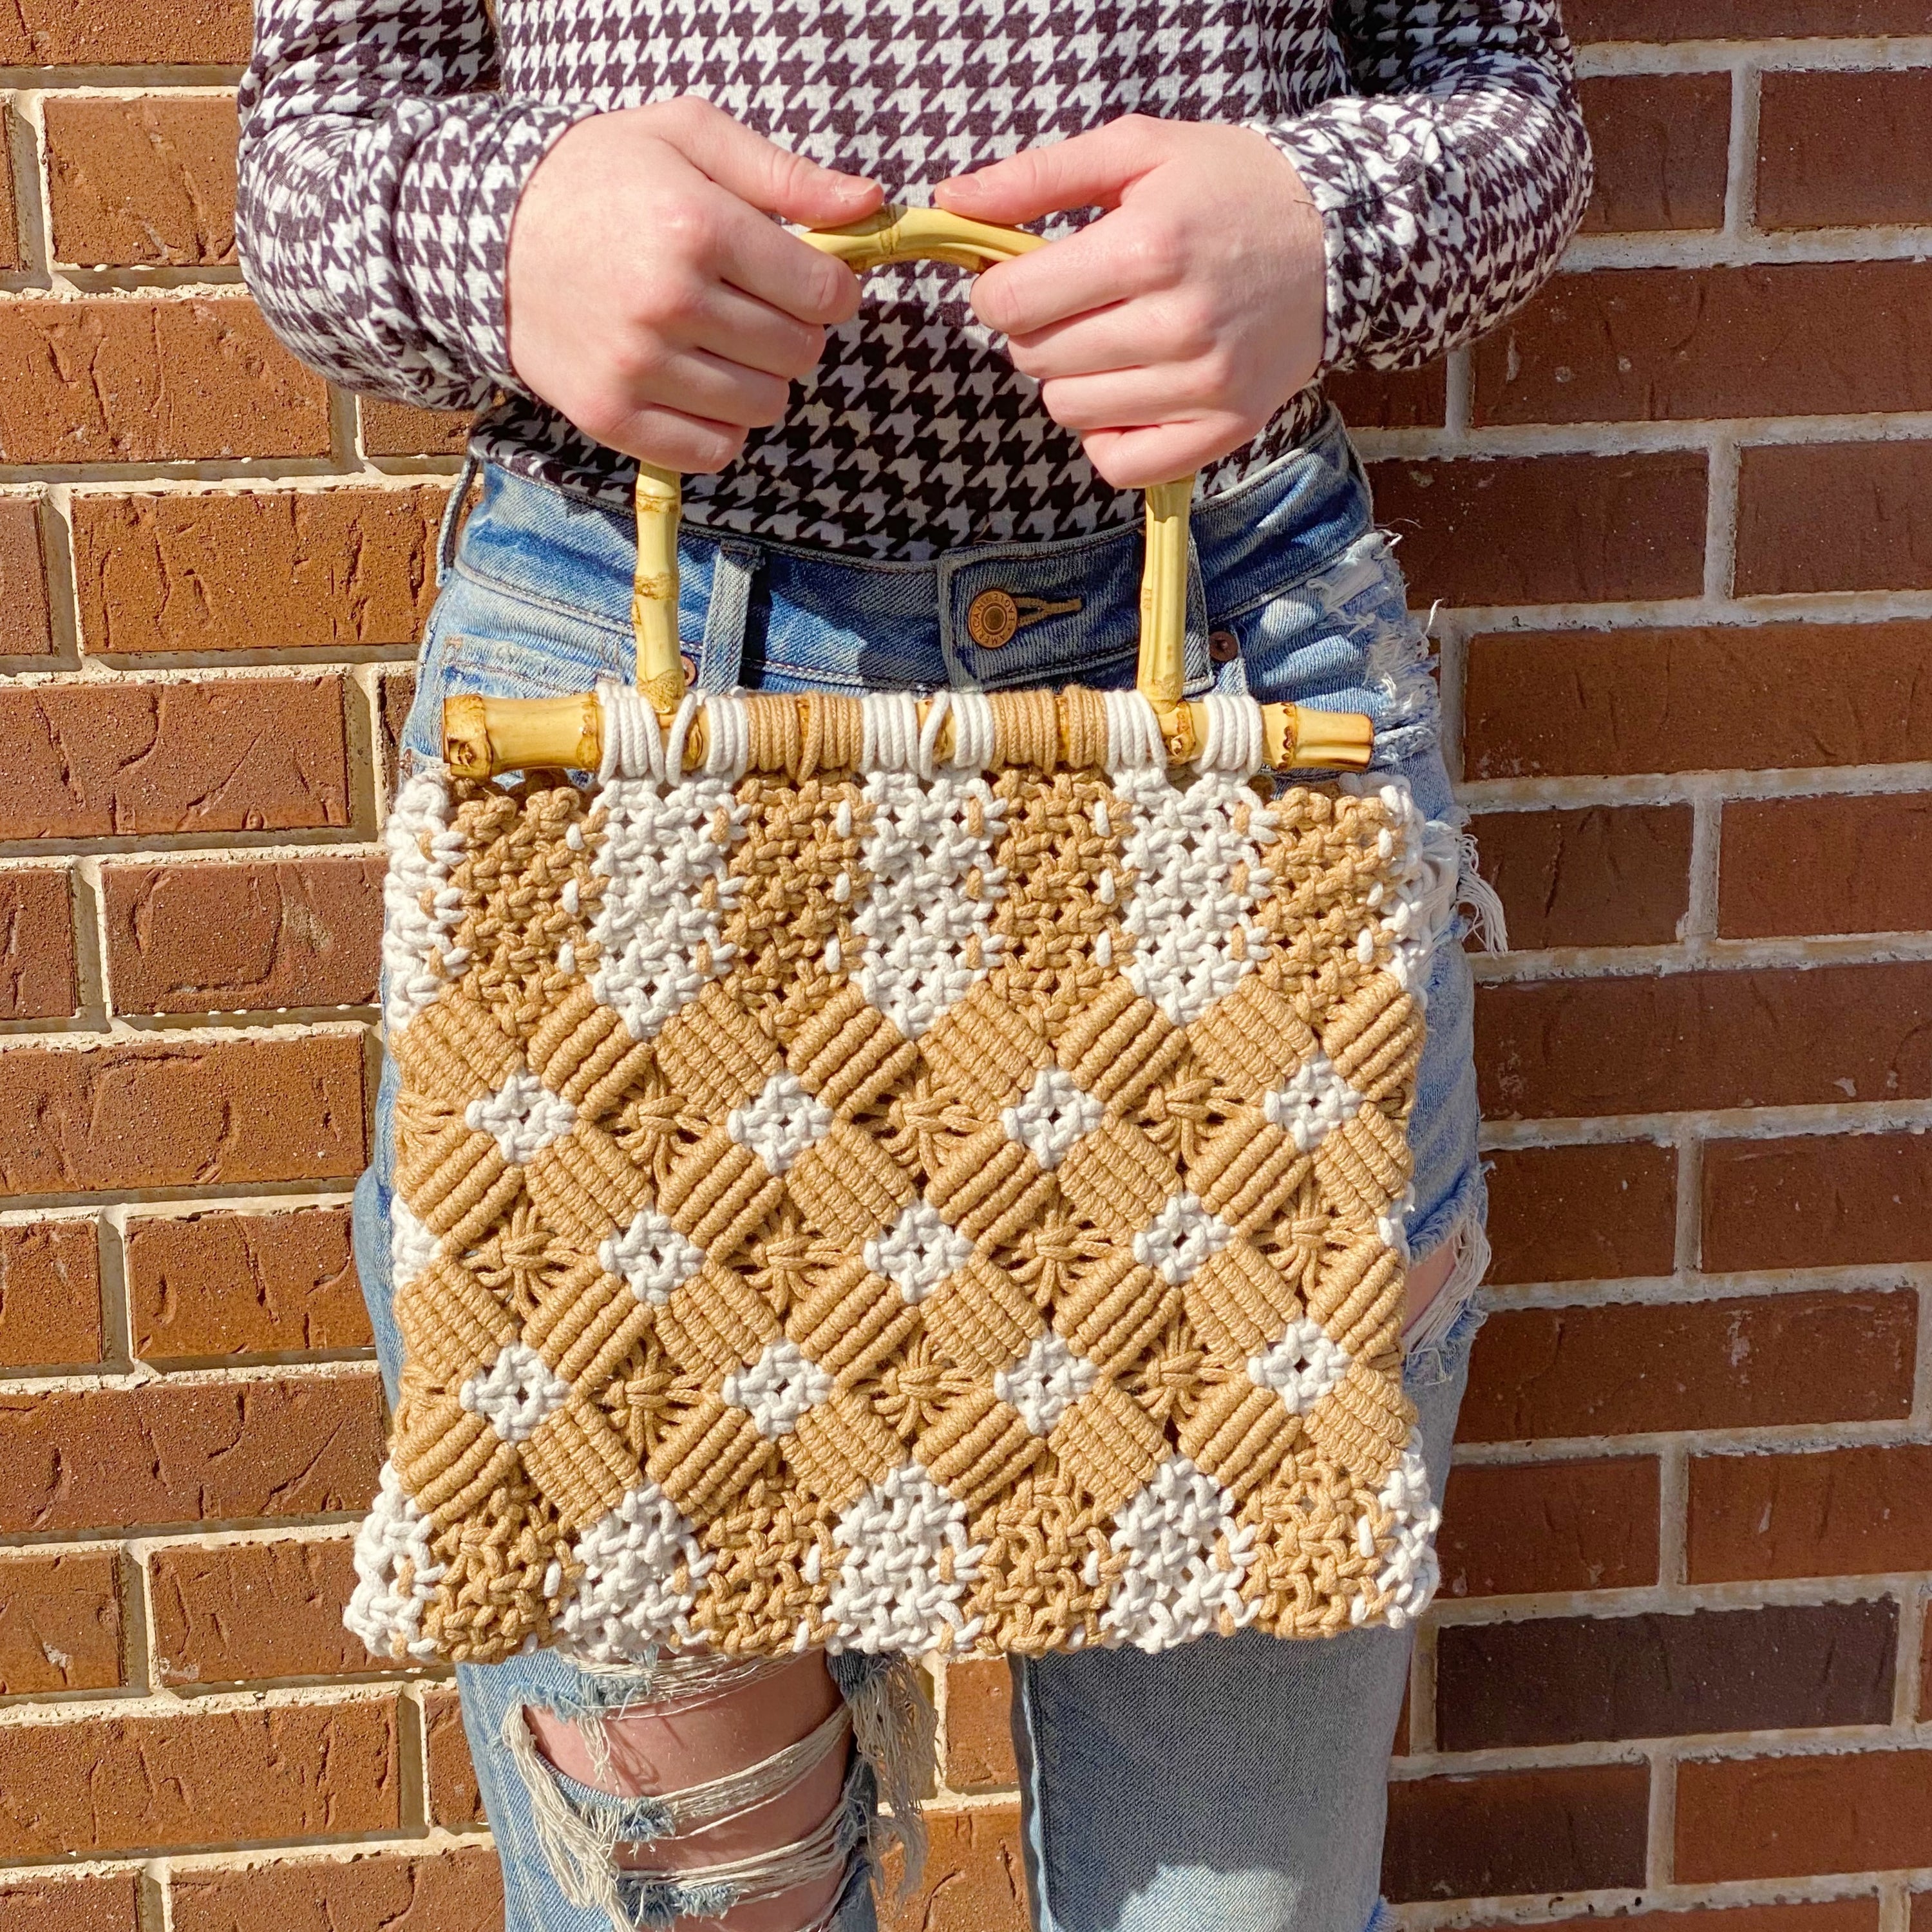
(1232, 1785)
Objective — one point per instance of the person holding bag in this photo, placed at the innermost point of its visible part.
(928, 1109)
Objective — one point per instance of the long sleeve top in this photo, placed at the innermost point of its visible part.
(384, 143)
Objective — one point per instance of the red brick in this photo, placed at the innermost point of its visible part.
(148, 380)
(60, 1623)
(1845, 516)
(50, 1295)
(454, 1801)
(1674, 344)
(1555, 703)
(975, 1877)
(241, 1611)
(1572, 1680)
(12, 255)
(1788, 1817)
(1628, 1368)
(1515, 1529)
(1661, 143)
(1826, 865)
(979, 1741)
(1830, 1513)
(1817, 1201)
(1836, 1915)
(229, 755)
(1737, 20)
(1390, 399)
(141, 181)
(223, 1284)
(395, 692)
(185, 937)
(122, 1784)
(1583, 1214)
(25, 627)
(396, 429)
(36, 966)
(1754, 1038)
(111, 33)
(162, 1113)
(274, 570)
(1546, 529)
(1843, 150)
(1556, 1830)
(1596, 876)
(188, 1452)
(110, 1903)
(457, 1890)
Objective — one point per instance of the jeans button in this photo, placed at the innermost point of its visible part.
(992, 619)
(1223, 646)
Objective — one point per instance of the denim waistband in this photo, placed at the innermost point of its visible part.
(995, 616)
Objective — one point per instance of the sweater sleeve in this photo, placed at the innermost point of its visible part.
(379, 171)
(1449, 182)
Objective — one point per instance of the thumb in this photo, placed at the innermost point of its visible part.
(760, 172)
(1090, 170)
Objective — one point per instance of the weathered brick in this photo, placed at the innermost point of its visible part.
(108, 1903)
(1514, 1529)
(975, 1877)
(1555, 1830)
(188, 937)
(141, 181)
(396, 429)
(165, 1113)
(141, 378)
(1660, 345)
(275, 570)
(1817, 1201)
(26, 628)
(1834, 1915)
(1570, 1680)
(1555, 703)
(1845, 516)
(395, 695)
(119, 1784)
(188, 1452)
(1661, 143)
(1860, 864)
(226, 1284)
(1828, 1513)
(1843, 150)
(1582, 1213)
(1736, 20)
(454, 1801)
(1556, 1049)
(113, 33)
(1788, 1817)
(1629, 1368)
(37, 965)
(49, 1293)
(1546, 529)
(228, 754)
(1598, 875)
(1390, 399)
(456, 1891)
(60, 1623)
(979, 1741)
(12, 255)
(240, 1611)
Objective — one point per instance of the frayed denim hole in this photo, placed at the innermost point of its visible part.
(1382, 1919)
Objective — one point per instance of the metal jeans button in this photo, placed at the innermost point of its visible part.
(1223, 646)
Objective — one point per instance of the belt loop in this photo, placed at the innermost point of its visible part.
(1197, 665)
(452, 518)
(720, 656)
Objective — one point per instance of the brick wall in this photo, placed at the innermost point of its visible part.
(1677, 519)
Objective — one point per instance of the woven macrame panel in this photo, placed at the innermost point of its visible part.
(944, 1212)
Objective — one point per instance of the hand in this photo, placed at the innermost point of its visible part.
(1167, 333)
(651, 299)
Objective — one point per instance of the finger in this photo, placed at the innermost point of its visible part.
(760, 171)
(1160, 393)
(1090, 170)
(1131, 459)
(743, 330)
(1117, 257)
(695, 382)
(771, 265)
(1124, 335)
(667, 437)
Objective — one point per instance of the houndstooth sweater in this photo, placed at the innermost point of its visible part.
(384, 143)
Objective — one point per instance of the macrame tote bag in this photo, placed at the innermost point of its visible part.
(906, 1176)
